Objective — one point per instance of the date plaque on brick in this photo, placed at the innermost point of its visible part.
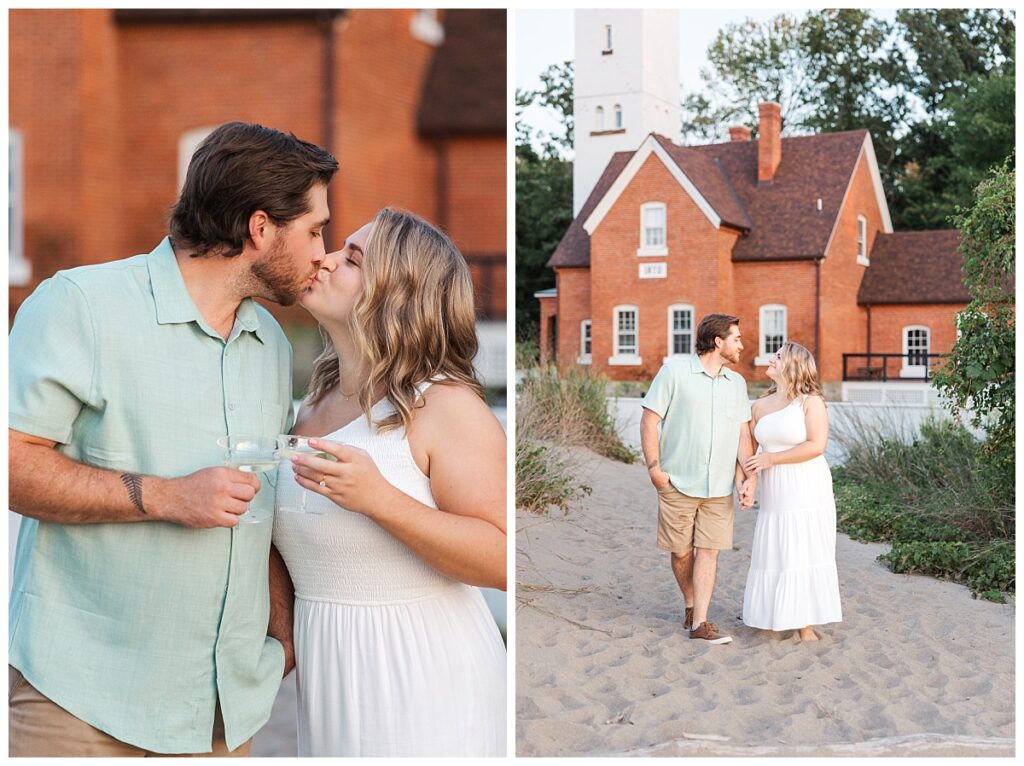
(653, 270)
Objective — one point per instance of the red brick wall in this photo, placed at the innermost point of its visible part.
(694, 273)
(788, 283)
(842, 320)
(887, 323)
(574, 305)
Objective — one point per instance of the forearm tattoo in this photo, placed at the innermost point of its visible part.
(133, 483)
(652, 464)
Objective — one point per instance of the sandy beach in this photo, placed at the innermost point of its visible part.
(917, 667)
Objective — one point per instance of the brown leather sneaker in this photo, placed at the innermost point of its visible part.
(688, 620)
(708, 631)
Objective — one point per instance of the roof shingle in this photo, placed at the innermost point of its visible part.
(915, 267)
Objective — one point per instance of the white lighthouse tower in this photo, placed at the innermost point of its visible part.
(626, 86)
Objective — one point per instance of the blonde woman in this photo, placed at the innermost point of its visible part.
(792, 583)
(396, 653)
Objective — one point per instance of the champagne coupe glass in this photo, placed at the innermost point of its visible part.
(291, 444)
(251, 454)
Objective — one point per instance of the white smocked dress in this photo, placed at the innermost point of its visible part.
(392, 657)
(792, 582)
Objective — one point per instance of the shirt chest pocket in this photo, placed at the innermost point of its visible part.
(260, 418)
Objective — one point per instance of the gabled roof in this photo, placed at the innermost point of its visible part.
(781, 220)
(915, 267)
(465, 89)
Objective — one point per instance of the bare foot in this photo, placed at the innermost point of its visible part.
(808, 634)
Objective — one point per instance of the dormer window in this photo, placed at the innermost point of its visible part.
(653, 229)
(862, 241)
(607, 39)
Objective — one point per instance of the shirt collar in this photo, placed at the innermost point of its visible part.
(697, 367)
(174, 305)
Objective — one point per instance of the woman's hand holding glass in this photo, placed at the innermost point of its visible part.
(351, 479)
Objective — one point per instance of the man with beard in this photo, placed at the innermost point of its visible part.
(140, 618)
(704, 414)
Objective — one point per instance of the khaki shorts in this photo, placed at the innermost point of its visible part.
(685, 522)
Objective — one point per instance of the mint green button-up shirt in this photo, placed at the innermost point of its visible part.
(138, 629)
(700, 427)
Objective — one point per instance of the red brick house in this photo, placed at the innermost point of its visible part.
(106, 107)
(792, 235)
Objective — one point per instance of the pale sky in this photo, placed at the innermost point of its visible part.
(545, 37)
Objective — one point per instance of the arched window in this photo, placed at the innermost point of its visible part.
(626, 337)
(680, 329)
(653, 229)
(599, 118)
(772, 331)
(916, 348)
(862, 240)
(187, 145)
(617, 113)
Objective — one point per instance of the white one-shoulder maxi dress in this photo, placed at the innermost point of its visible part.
(792, 582)
(392, 657)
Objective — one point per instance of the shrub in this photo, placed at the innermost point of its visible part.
(543, 479)
(987, 568)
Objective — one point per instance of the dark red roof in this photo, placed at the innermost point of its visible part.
(781, 220)
(464, 92)
(915, 267)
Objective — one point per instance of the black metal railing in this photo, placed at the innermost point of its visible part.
(885, 367)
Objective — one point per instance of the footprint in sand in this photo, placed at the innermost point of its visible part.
(967, 688)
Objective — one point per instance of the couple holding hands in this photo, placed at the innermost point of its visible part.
(698, 433)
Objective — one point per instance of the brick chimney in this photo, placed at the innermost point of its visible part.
(769, 141)
(739, 133)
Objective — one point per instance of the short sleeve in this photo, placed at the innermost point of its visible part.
(51, 364)
(745, 409)
(659, 395)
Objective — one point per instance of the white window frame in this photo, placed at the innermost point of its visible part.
(618, 358)
(862, 241)
(188, 142)
(915, 370)
(763, 356)
(671, 331)
(646, 250)
(617, 117)
(586, 336)
(19, 270)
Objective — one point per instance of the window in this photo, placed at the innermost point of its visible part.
(916, 346)
(19, 270)
(862, 240)
(626, 338)
(680, 330)
(652, 229)
(773, 332)
(599, 118)
(187, 145)
(617, 112)
(607, 39)
(585, 355)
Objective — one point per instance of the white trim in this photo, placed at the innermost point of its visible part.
(763, 356)
(551, 292)
(188, 142)
(668, 348)
(646, 250)
(19, 270)
(867, 148)
(585, 358)
(862, 259)
(914, 370)
(625, 361)
(426, 27)
(618, 357)
(647, 148)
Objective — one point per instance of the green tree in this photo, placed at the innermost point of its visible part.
(543, 192)
(979, 373)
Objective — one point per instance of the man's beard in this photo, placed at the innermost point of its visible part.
(279, 279)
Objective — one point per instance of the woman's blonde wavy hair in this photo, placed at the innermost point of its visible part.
(798, 371)
(414, 321)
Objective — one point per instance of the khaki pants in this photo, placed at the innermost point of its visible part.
(39, 727)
